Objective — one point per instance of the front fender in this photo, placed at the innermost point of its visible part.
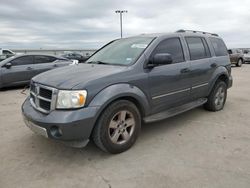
(114, 92)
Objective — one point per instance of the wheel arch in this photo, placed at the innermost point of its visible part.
(121, 92)
(221, 73)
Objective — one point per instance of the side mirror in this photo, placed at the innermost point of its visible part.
(161, 59)
(7, 65)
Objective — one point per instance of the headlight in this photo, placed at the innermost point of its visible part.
(71, 99)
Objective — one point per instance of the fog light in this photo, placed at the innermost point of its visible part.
(55, 131)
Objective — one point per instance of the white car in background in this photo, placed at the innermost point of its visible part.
(247, 57)
(6, 53)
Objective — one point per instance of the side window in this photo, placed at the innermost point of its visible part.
(43, 59)
(219, 47)
(198, 48)
(172, 46)
(7, 52)
(24, 60)
(230, 51)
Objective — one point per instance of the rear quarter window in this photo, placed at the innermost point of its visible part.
(219, 46)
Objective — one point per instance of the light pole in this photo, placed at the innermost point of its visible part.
(121, 12)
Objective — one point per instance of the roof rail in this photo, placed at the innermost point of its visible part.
(202, 32)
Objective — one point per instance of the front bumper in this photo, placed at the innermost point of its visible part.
(63, 125)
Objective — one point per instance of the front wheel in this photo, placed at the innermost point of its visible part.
(217, 97)
(118, 127)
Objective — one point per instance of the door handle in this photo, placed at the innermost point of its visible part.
(55, 65)
(29, 68)
(213, 65)
(185, 70)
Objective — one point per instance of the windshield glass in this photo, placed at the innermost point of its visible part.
(121, 52)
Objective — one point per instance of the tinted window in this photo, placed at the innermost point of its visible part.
(25, 60)
(198, 48)
(208, 53)
(44, 59)
(173, 47)
(219, 47)
(6, 52)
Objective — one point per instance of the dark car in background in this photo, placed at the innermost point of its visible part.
(236, 57)
(75, 56)
(19, 69)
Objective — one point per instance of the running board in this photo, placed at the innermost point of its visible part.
(174, 111)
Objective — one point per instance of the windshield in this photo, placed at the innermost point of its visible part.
(121, 52)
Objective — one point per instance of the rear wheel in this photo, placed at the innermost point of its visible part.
(217, 97)
(118, 127)
(239, 63)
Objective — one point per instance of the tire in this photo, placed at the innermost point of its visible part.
(217, 97)
(117, 127)
(239, 63)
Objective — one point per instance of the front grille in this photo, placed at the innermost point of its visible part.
(45, 93)
(42, 97)
(45, 105)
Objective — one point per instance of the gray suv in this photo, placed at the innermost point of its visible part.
(139, 79)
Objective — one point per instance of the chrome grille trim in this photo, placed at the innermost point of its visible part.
(35, 93)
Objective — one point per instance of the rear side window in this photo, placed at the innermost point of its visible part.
(24, 60)
(44, 59)
(219, 47)
(173, 47)
(198, 48)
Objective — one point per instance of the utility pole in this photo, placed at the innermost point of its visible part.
(121, 12)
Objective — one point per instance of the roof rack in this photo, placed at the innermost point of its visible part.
(202, 32)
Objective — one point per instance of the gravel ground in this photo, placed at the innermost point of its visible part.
(194, 149)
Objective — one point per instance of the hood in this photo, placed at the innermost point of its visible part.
(70, 76)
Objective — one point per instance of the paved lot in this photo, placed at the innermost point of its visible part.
(195, 149)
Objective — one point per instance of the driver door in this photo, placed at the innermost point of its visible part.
(169, 84)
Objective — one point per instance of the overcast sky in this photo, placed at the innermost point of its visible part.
(92, 23)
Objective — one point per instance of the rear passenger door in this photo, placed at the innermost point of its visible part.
(201, 66)
(169, 84)
(44, 63)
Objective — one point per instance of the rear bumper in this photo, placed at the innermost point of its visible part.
(63, 125)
